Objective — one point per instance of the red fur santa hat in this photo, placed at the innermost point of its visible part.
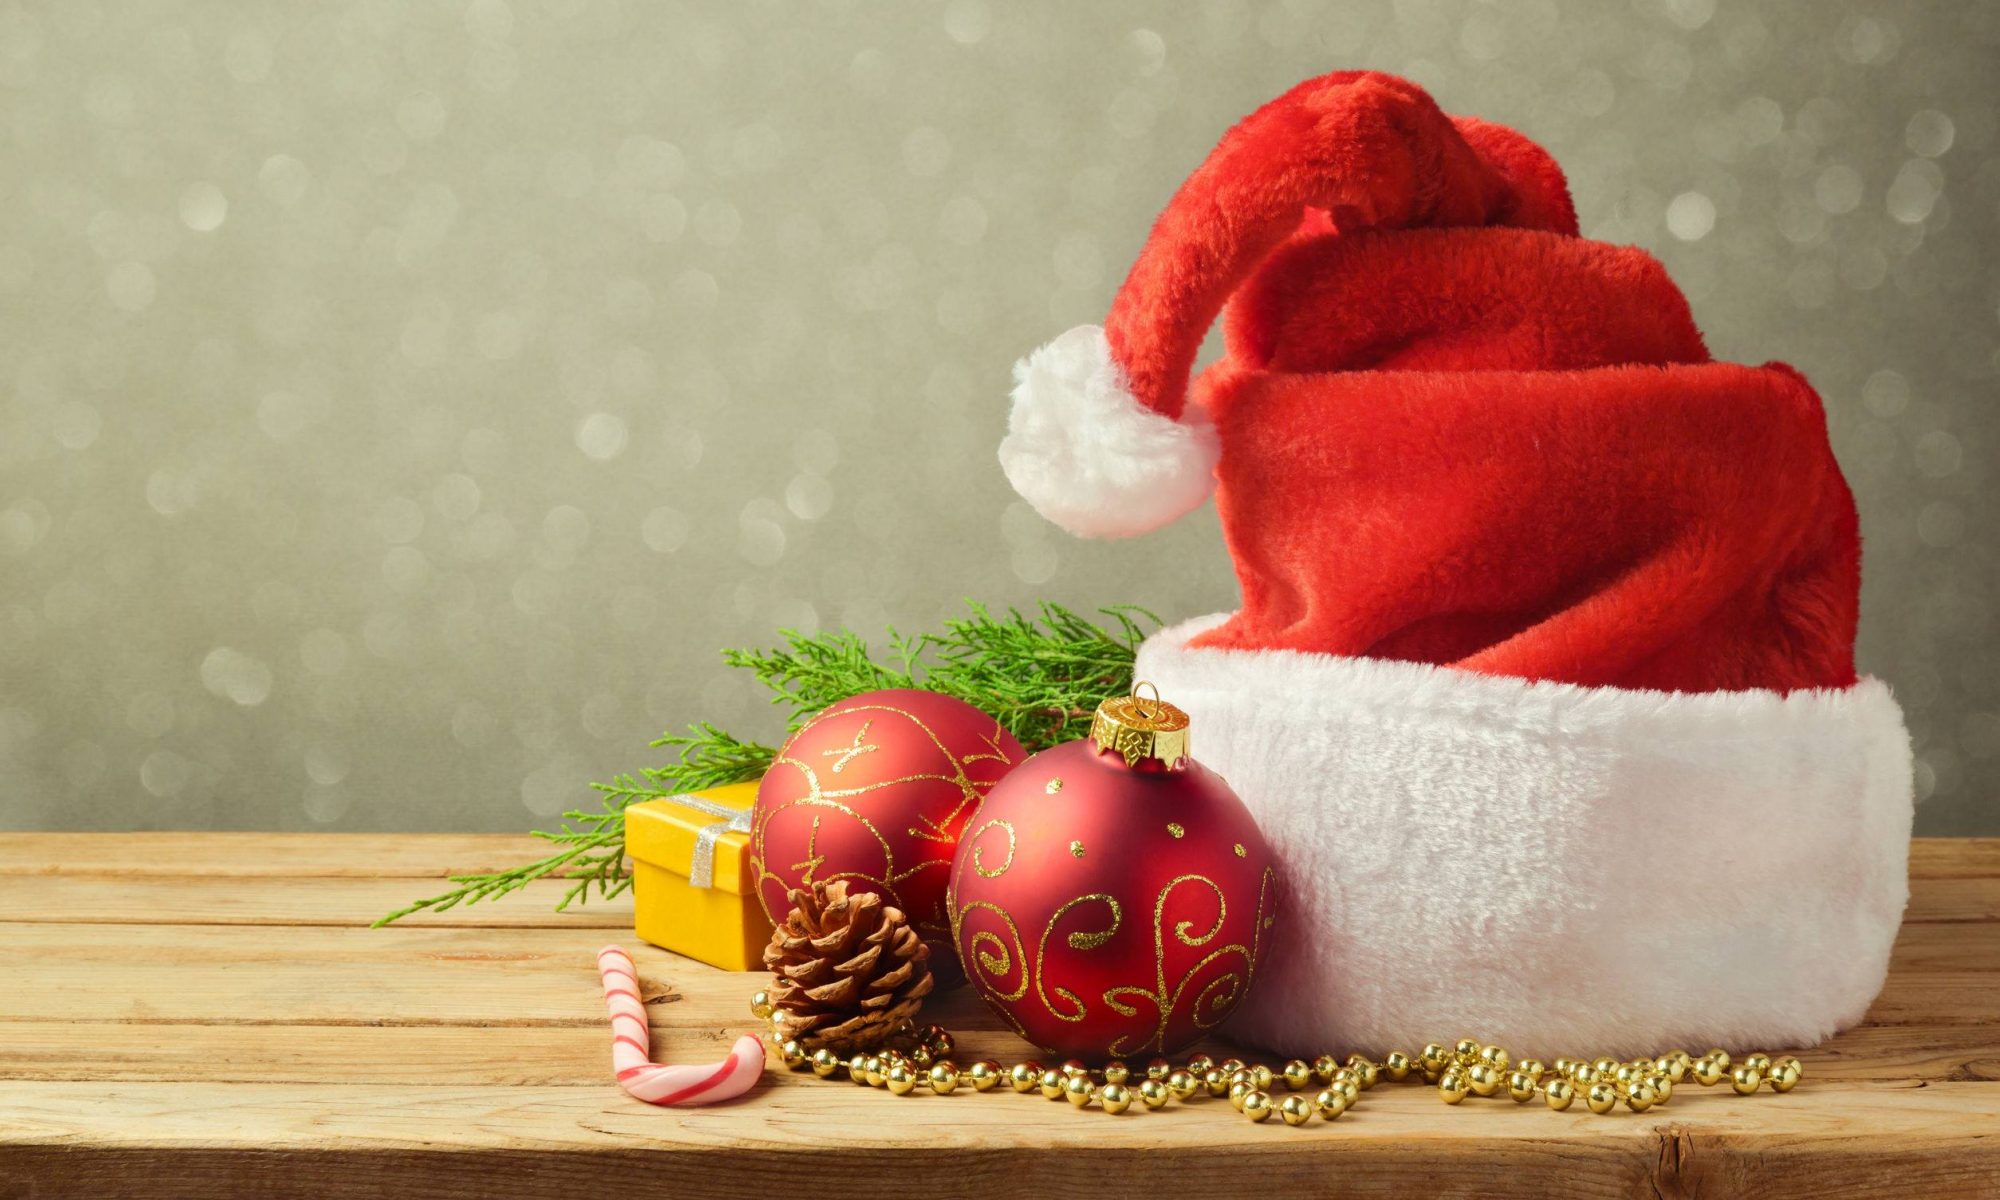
(1534, 592)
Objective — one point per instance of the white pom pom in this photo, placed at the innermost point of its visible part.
(1089, 456)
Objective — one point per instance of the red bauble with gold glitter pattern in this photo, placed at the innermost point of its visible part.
(875, 790)
(1113, 897)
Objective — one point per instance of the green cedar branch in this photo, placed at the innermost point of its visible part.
(1039, 674)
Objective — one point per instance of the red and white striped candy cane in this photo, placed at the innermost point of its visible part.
(631, 1053)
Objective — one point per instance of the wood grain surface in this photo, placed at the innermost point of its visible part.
(207, 1015)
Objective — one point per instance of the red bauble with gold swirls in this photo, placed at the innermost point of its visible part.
(1113, 898)
(875, 790)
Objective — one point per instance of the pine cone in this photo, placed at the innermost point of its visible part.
(851, 971)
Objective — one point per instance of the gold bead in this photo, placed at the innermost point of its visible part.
(1216, 1081)
(1627, 1074)
(1026, 1076)
(944, 1078)
(1158, 1069)
(1452, 1085)
(1708, 1071)
(1668, 1065)
(1563, 1067)
(1344, 1075)
(1331, 1103)
(1605, 1067)
(1079, 1089)
(1347, 1088)
(1495, 1057)
(761, 1006)
(1533, 1068)
(1230, 1066)
(791, 1053)
(1116, 1072)
(1154, 1093)
(1640, 1096)
(876, 1070)
(1075, 1066)
(1558, 1093)
(1721, 1056)
(1237, 1091)
(1367, 1073)
(901, 1079)
(1520, 1087)
(1662, 1085)
(1324, 1066)
(825, 1062)
(1601, 1097)
(1200, 1065)
(1396, 1065)
(1261, 1077)
(857, 1069)
(1466, 1049)
(1785, 1074)
(1114, 1098)
(1183, 1084)
(1296, 1110)
(1744, 1079)
(1482, 1078)
(1760, 1063)
(919, 1057)
(1583, 1075)
(984, 1076)
(1256, 1105)
(1298, 1074)
(1434, 1056)
(1051, 1083)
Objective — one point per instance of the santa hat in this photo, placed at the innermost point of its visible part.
(1543, 682)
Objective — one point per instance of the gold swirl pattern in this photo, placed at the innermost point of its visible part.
(1209, 988)
(1082, 940)
(979, 852)
(836, 800)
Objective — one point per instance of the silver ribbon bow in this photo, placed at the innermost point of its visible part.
(701, 868)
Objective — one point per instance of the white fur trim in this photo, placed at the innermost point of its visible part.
(1560, 869)
(1083, 450)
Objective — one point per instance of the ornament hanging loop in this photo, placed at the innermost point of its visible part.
(1138, 729)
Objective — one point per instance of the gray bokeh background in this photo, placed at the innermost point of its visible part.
(401, 402)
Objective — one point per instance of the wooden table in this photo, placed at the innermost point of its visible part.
(207, 1015)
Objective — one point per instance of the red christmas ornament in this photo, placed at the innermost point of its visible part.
(875, 790)
(1113, 897)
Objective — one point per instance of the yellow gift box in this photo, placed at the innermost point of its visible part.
(692, 888)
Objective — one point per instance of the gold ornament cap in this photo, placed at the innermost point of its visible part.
(1140, 728)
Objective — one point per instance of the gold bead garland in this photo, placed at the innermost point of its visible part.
(1467, 1068)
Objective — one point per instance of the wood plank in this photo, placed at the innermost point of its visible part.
(1974, 898)
(574, 1054)
(205, 1014)
(312, 900)
(267, 855)
(1954, 858)
(245, 974)
(204, 1140)
(320, 975)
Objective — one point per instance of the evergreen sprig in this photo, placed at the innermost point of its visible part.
(1040, 675)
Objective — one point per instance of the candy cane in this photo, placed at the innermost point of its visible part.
(631, 1054)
